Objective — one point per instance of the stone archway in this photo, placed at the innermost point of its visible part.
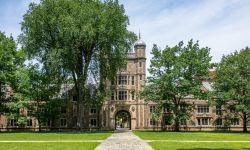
(122, 120)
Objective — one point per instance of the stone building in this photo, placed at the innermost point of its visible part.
(124, 94)
(124, 108)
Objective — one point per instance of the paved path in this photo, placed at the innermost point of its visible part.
(123, 141)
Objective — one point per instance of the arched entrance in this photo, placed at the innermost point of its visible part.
(123, 120)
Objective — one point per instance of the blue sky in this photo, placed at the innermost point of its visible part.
(222, 25)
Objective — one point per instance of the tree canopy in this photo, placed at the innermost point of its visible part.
(84, 39)
(8, 66)
(232, 83)
(175, 73)
(8, 54)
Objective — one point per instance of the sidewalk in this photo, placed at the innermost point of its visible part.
(125, 140)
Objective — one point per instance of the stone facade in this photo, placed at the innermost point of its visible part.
(124, 93)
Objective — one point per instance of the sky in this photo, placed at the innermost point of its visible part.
(222, 25)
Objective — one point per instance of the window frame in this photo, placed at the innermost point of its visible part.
(151, 109)
(218, 111)
(152, 122)
(235, 121)
(112, 95)
(202, 109)
(29, 122)
(122, 95)
(74, 98)
(13, 123)
(93, 110)
(92, 122)
(204, 121)
(63, 122)
(132, 80)
(133, 95)
(140, 76)
(218, 122)
(122, 80)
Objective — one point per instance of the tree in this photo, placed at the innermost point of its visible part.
(75, 37)
(7, 67)
(232, 83)
(10, 60)
(43, 87)
(175, 73)
(36, 91)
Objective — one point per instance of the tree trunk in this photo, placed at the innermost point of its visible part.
(81, 95)
(80, 110)
(244, 122)
(98, 118)
(40, 127)
(176, 113)
(177, 125)
(39, 124)
(82, 75)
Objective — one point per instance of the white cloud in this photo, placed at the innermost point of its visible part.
(222, 25)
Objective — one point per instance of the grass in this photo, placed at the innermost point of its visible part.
(48, 146)
(35, 136)
(195, 136)
(199, 146)
(177, 137)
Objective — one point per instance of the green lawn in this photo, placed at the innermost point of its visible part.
(177, 137)
(196, 136)
(199, 146)
(35, 136)
(48, 146)
(51, 137)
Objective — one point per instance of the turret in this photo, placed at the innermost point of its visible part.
(140, 47)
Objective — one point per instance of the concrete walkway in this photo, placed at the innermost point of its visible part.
(123, 140)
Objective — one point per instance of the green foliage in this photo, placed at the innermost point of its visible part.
(7, 59)
(11, 60)
(83, 39)
(43, 88)
(7, 68)
(50, 111)
(176, 73)
(232, 83)
(35, 91)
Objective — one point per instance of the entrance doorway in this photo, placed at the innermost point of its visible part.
(122, 120)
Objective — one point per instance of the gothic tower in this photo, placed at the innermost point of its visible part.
(124, 99)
